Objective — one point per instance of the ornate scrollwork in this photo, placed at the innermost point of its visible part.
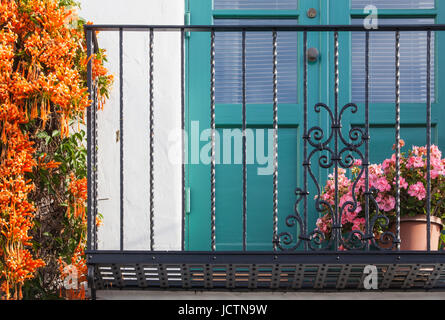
(387, 240)
(286, 238)
(342, 154)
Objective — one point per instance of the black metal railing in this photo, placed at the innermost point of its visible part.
(361, 246)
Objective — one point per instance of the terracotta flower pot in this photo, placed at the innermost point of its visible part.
(413, 232)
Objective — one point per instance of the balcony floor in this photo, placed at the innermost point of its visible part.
(199, 295)
(264, 271)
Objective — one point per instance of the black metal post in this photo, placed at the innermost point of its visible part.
(275, 141)
(337, 221)
(368, 232)
(89, 143)
(213, 129)
(305, 137)
(244, 142)
(397, 127)
(94, 165)
(428, 138)
(152, 133)
(183, 136)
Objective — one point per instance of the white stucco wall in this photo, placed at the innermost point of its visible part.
(136, 124)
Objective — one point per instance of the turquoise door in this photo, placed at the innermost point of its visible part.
(259, 107)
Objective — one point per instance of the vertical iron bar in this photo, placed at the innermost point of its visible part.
(93, 167)
(183, 136)
(275, 143)
(366, 162)
(152, 133)
(94, 151)
(337, 221)
(92, 195)
(212, 125)
(305, 136)
(95, 164)
(89, 142)
(121, 137)
(244, 143)
(397, 139)
(428, 138)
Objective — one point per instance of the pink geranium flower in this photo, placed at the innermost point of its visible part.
(417, 190)
(402, 182)
(415, 162)
(358, 224)
(382, 184)
(387, 203)
(419, 151)
(436, 172)
(388, 163)
(435, 152)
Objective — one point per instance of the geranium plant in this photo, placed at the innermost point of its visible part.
(382, 181)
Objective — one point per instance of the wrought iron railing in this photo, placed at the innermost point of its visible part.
(303, 253)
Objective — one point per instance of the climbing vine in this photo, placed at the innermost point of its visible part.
(43, 99)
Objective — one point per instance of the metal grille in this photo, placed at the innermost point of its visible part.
(285, 277)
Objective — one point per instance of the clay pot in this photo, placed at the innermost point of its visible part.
(413, 232)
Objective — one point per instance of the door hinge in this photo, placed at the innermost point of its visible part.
(187, 22)
(187, 200)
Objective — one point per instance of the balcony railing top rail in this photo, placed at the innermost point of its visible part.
(238, 28)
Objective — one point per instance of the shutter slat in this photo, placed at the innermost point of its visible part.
(382, 64)
(255, 4)
(228, 77)
(394, 4)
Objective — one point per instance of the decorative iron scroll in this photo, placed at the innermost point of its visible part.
(342, 154)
